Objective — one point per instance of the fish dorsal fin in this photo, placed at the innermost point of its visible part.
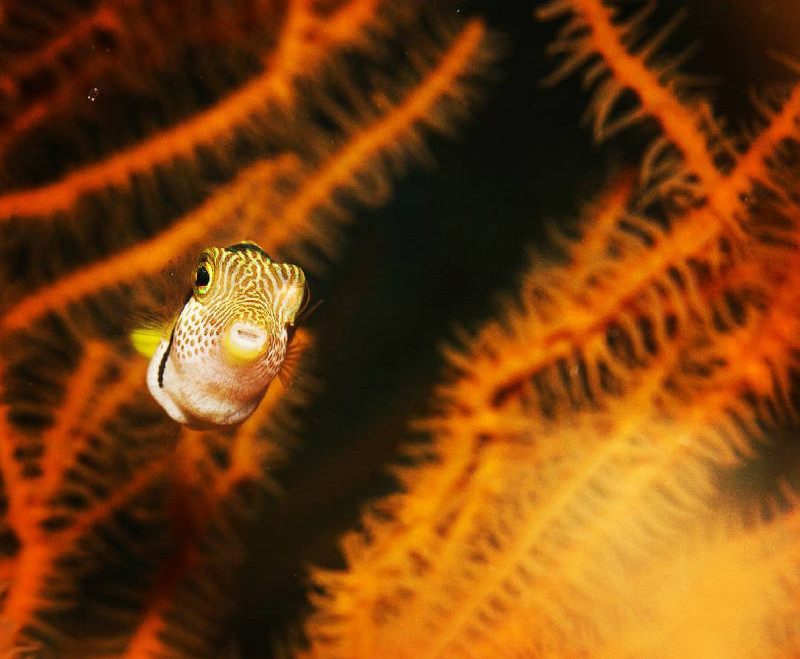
(146, 339)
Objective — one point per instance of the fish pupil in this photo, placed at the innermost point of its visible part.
(202, 277)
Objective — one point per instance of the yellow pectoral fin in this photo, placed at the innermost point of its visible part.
(146, 339)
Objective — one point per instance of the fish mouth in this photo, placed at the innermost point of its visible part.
(245, 342)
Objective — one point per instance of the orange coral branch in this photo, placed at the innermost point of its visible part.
(294, 55)
(612, 291)
(596, 235)
(147, 641)
(25, 595)
(678, 122)
(59, 442)
(752, 165)
(389, 133)
(16, 487)
(208, 126)
(62, 450)
(144, 477)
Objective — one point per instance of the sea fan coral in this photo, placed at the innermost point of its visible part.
(569, 501)
(134, 134)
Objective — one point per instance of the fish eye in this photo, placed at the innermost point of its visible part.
(203, 276)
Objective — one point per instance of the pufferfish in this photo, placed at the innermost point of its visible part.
(213, 363)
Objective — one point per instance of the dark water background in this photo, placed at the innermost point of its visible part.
(439, 254)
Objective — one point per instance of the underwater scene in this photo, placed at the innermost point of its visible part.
(399, 329)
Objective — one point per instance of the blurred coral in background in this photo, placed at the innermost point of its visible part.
(591, 477)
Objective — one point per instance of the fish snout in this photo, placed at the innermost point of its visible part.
(245, 342)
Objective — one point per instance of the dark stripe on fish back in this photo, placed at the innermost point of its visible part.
(163, 364)
(243, 247)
